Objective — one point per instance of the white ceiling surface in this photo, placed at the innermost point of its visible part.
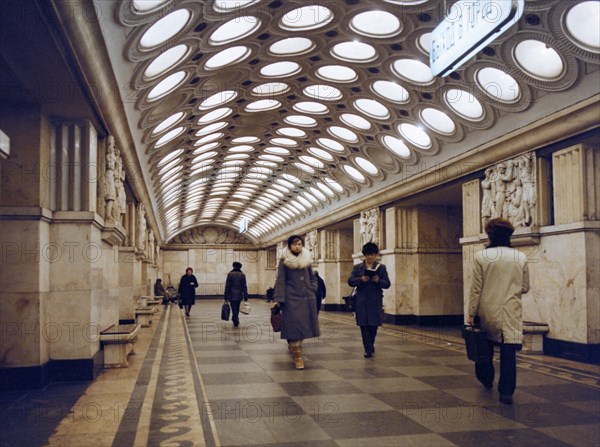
(348, 56)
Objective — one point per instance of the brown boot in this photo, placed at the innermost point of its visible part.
(298, 362)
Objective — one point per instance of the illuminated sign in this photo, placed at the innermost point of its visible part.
(468, 27)
(243, 225)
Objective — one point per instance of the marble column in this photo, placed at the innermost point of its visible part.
(335, 265)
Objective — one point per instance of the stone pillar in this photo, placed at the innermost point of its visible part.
(471, 200)
(335, 265)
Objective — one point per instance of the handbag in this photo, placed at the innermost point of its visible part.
(350, 301)
(245, 307)
(476, 343)
(225, 311)
(276, 319)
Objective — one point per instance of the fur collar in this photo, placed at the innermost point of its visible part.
(304, 259)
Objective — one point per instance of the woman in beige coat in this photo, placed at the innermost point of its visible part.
(500, 277)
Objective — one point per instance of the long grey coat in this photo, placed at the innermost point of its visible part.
(500, 277)
(235, 286)
(295, 289)
(369, 295)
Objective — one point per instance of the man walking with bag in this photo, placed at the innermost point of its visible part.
(236, 290)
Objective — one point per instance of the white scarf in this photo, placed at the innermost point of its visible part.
(304, 259)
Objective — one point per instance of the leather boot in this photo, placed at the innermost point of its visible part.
(297, 351)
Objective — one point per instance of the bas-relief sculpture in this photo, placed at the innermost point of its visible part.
(114, 184)
(141, 233)
(151, 243)
(509, 191)
(369, 226)
(311, 243)
(210, 235)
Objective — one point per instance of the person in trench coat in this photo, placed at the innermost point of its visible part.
(187, 290)
(236, 290)
(369, 278)
(295, 293)
(500, 277)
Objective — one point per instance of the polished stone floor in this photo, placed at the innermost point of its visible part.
(200, 381)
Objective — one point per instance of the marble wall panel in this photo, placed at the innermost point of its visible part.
(126, 284)
(70, 331)
(440, 284)
(592, 245)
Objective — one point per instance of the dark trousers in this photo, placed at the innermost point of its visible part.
(368, 334)
(508, 369)
(235, 312)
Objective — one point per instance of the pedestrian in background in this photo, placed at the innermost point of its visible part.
(321, 291)
(187, 290)
(369, 277)
(236, 290)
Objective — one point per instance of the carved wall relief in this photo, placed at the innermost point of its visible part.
(369, 226)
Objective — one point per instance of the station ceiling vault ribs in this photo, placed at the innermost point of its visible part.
(282, 111)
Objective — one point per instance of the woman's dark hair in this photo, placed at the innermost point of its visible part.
(499, 231)
(293, 239)
(370, 248)
(190, 269)
(237, 265)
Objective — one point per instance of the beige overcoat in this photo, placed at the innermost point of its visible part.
(500, 277)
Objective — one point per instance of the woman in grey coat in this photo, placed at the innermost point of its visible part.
(295, 294)
(370, 278)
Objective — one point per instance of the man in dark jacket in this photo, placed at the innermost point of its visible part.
(236, 290)
(321, 291)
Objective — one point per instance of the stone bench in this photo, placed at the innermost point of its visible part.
(143, 315)
(117, 342)
(533, 337)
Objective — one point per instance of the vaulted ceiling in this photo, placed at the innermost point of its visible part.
(279, 112)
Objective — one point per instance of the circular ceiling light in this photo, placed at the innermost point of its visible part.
(322, 92)
(372, 108)
(146, 5)
(292, 46)
(464, 104)
(300, 120)
(366, 165)
(291, 178)
(205, 147)
(326, 189)
(304, 168)
(582, 23)
(211, 128)
(291, 132)
(168, 166)
(217, 99)
(343, 134)
(270, 157)
(356, 121)
(236, 157)
(330, 144)
(424, 43)
(241, 148)
(498, 84)
(312, 198)
(312, 161)
(337, 73)
(166, 86)
(354, 173)
(270, 88)
(169, 136)
(311, 107)
(354, 52)
(438, 121)
(228, 5)
(165, 28)
(204, 157)
(170, 156)
(391, 91)
(288, 185)
(248, 139)
(165, 124)
(396, 145)
(277, 150)
(284, 142)
(266, 163)
(378, 24)
(209, 138)
(415, 135)
(539, 60)
(280, 69)
(413, 70)
(235, 29)
(262, 105)
(306, 18)
(226, 57)
(214, 115)
(320, 153)
(165, 61)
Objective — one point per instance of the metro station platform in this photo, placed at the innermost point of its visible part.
(199, 381)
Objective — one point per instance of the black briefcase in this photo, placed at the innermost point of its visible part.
(476, 343)
(225, 311)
